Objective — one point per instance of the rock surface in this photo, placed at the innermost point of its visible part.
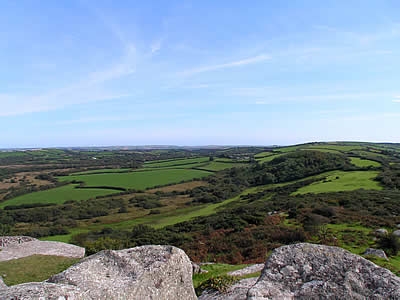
(381, 232)
(147, 272)
(6, 241)
(248, 270)
(396, 233)
(42, 290)
(376, 252)
(34, 246)
(307, 271)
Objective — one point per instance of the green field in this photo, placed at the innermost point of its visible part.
(33, 268)
(176, 162)
(263, 154)
(330, 147)
(363, 163)
(343, 148)
(58, 195)
(268, 158)
(337, 181)
(139, 179)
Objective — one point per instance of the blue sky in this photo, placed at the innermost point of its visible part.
(97, 73)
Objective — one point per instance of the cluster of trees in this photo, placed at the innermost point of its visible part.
(285, 168)
(58, 216)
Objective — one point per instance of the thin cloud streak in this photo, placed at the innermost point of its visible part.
(238, 63)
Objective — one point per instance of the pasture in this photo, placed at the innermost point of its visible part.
(139, 179)
(58, 195)
(364, 163)
(183, 162)
(337, 181)
(266, 159)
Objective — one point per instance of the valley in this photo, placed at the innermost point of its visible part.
(228, 205)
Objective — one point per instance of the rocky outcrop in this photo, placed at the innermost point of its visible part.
(307, 271)
(6, 241)
(248, 270)
(28, 247)
(41, 290)
(396, 233)
(376, 252)
(196, 269)
(238, 291)
(147, 272)
(300, 271)
(381, 232)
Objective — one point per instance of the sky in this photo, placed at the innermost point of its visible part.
(103, 73)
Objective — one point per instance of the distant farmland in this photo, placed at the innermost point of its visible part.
(343, 181)
(139, 180)
(58, 195)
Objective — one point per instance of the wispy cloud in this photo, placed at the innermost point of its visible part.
(156, 45)
(396, 99)
(86, 89)
(13, 105)
(232, 64)
(281, 94)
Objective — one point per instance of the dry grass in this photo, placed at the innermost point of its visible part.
(180, 187)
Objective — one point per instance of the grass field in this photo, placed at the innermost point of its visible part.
(58, 195)
(268, 158)
(263, 154)
(343, 148)
(342, 181)
(363, 163)
(139, 180)
(176, 162)
(34, 268)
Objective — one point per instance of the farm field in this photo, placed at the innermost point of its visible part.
(263, 154)
(139, 179)
(343, 181)
(185, 162)
(364, 162)
(58, 195)
(268, 158)
(342, 148)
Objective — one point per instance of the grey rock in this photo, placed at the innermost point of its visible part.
(2, 284)
(307, 271)
(12, 240)
(197, 269)
(381, 232)
(396, 233)
(147, 272)
(398, 226)
(248, 270)
(238, 291)
(41, 290)
(32, 247)
(375, 252)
